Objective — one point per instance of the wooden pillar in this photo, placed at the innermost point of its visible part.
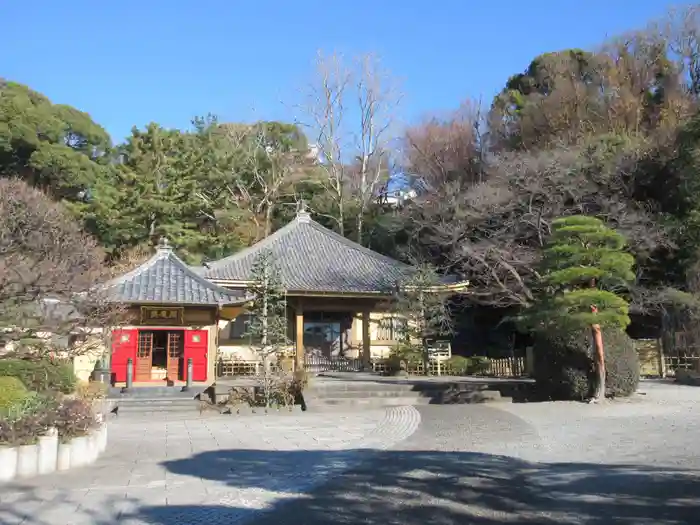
(299, 353)
(366, 353)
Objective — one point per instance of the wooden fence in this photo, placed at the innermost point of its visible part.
(673, 363)
(502, 367)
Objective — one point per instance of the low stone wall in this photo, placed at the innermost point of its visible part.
(687, 377)
(48, 455)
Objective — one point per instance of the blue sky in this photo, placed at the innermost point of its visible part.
(129, 63)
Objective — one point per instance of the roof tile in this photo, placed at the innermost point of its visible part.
(166, 279)
(313, 258)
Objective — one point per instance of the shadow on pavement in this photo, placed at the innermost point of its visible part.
(419, 487)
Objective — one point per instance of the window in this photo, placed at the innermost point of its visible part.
(391, 329)
(238, 328)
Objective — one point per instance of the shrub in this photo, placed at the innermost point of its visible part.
(41, 375)
(92, 391)
(564, 366)
(12, 391)
(73, 418)
(458, 365)
(410, 354)
(621, 364)
(28, 419)
(479, 365)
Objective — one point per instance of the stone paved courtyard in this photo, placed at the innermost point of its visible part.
(632, 462)
(160, 465)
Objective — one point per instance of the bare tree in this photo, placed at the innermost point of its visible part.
(350, 109)
(493, 232)
(444, 150)
(254, 170)
(50, 272)
(681, 29)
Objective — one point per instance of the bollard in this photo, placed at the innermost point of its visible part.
(188, 377)
(129, 375)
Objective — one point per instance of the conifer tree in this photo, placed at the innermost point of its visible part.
(586, 271)
(268, 327)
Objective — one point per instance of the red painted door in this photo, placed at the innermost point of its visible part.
(124, 344)
(196, 348)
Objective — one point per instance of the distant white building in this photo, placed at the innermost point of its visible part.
(399, 197)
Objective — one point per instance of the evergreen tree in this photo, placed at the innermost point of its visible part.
(268, 327)
(585, 272)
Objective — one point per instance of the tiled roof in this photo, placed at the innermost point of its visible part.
(312, 258)
(166, 279)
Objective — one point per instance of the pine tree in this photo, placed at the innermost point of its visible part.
(269, 323)
(585, 272)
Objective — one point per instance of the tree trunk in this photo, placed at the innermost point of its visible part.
(268, 220)
(360, 224)
(341, 216)
(599, 358)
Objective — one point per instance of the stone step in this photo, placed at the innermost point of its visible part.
(156, 405)
(407, 398)
(364, 394)
(415, 386)
(155, 392)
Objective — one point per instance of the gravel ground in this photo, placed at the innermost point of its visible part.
(630, 462)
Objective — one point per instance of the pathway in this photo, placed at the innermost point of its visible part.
(241, 463)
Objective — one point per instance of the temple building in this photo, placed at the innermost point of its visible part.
(337, 294)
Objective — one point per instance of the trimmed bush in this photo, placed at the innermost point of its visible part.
(479, 365)
(563, 366)
(41, 375)
(411, 354)
(12, 392)
(565, 370)
(458, 365)
(621, 364)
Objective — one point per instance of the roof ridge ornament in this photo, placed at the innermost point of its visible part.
(164, 245)
(302, 213)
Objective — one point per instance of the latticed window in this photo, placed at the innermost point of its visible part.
(391, 329)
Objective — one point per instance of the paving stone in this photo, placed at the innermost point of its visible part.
(206, 470)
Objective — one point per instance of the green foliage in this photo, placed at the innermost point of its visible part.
(12, 391)
(622, 365)
(462, 366)
(419, 300)
(584, 264)
(458, 365)
(269, 322)
(479, 365)
(564, 367)
(41, 375)
(55, 147)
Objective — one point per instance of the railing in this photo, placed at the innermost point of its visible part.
(505, 367)
(502, 367)
(317, 364)
(239, 368)
(673, 363)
